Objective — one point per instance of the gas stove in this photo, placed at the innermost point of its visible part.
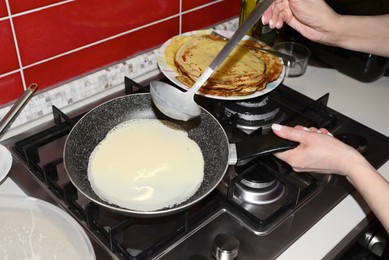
(258, 210)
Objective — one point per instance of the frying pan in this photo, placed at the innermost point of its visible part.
(206, 131)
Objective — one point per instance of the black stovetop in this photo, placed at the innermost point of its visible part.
(308, 197)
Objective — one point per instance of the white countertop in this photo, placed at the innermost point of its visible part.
(9, 187)
(367, 103)
(364, 102)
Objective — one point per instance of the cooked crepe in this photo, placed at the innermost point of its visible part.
(233, 78)
(272, 62)
(174, 45)
(241, 67)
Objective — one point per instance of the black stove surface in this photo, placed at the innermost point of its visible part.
(263, 204)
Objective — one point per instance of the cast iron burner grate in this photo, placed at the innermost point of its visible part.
(131, 238)
(290, 191)
(252, 114)
(112, 233)
(110, 228)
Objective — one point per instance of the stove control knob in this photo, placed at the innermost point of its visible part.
(225, 247)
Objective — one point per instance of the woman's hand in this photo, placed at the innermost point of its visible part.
(316, 20)
(318, 151)
(312, 18)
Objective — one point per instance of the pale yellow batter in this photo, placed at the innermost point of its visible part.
(145, 165)
(34, 237)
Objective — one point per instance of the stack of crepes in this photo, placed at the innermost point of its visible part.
(243, 72)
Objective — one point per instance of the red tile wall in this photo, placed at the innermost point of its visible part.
(18, 6)
(3, 9)
(9, 60)
(53, 41)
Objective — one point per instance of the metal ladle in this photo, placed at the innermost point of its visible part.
(181, 105)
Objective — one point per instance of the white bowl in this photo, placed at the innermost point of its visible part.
(34, 229)
(5, 162)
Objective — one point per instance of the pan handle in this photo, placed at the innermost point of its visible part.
(251, 148)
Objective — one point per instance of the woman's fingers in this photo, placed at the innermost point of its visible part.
(280, 11)
(267, 15)
(314, 130)
(325, 131)
(287, 132)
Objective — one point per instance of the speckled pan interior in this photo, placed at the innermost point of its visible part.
(94, 126)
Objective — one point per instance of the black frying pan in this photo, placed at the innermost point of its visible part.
(206, 131)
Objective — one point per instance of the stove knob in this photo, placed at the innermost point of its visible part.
(374, 241)
(225, 247)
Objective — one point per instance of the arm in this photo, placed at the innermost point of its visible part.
(315, 20)
(320, 152)
(368, 34)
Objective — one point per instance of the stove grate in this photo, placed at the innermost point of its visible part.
(112, 229)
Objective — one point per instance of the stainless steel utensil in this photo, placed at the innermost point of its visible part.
(181, 105)
(16, 108)
(283, 56)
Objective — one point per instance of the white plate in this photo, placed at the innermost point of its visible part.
(34, 229)
(5, 162)
(171, 72)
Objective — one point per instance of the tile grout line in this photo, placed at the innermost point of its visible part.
(94, 43)
(103, 81)
(41, 8)
(203, 6)
(10, 18)
(16, 45)
(22, 68)
(8, 73)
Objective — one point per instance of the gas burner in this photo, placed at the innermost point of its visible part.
(250, 207)
(257, 185)
(253, 114)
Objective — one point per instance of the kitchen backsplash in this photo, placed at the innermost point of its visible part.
(75, 49)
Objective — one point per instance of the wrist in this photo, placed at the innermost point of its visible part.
(355, 166)
(334, 30)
